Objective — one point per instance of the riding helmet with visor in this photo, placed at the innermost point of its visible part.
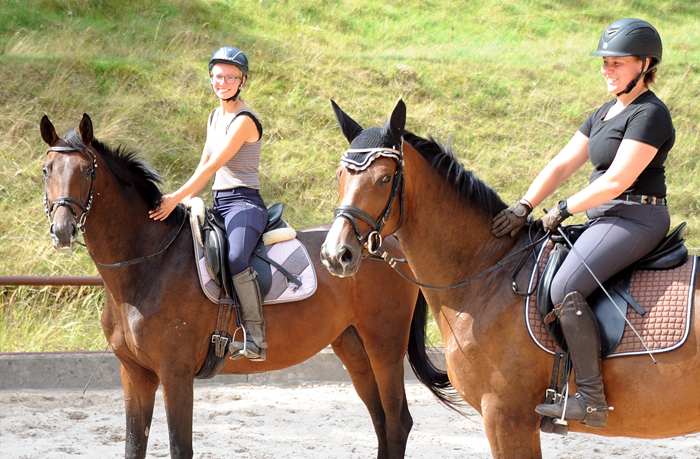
(233, 56)
(631, 37)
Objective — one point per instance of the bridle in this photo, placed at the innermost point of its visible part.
(373, 240)
(69, 201)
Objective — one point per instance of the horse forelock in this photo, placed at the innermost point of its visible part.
(72, 138)
(466, 184)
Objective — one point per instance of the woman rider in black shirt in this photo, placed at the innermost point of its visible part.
(627, 140)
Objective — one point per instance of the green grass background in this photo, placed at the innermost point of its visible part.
(509, 80)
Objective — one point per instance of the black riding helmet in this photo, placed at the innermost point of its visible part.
(233, 56)
(631, 37)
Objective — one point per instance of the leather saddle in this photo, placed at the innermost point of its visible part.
(670, 253)
(216, 250)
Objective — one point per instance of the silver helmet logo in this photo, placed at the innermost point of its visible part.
(605, 46)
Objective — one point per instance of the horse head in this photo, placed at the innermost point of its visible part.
(369, 178)
(69, 177)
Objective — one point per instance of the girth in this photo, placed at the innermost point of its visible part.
(669, 254)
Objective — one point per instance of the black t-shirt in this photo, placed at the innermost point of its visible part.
(645, 120)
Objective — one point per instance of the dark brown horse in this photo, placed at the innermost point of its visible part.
(158, 321)
(442, 217)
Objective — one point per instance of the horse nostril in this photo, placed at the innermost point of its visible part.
(345, 256)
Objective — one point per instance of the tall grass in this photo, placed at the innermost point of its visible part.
(51, 319)
(509, 80)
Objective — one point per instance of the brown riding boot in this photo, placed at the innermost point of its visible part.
(580, 330)
(248, 292)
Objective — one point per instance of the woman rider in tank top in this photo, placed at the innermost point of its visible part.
(627, 140)
(232, 153)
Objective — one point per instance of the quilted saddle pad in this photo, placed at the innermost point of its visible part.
(665, 295)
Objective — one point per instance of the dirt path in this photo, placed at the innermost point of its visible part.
(256, 422)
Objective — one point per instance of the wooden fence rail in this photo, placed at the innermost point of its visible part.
(51, 280)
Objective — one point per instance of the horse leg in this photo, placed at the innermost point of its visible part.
(351, 351)
(178, 395)
(388, 365)
(512, 430)
(140, 388)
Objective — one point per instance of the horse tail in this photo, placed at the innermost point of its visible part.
(425, 370)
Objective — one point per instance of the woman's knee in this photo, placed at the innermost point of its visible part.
(237, 265)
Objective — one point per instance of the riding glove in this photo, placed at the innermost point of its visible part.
(554, 217)
(511, 220)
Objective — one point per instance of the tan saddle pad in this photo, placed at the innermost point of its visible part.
(665, 295)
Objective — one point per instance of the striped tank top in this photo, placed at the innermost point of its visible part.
(242, 169)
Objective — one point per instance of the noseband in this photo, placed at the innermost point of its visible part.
(373, 240)
(69, 201)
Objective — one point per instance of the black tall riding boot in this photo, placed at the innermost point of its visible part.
(248, 292)
(580, 330)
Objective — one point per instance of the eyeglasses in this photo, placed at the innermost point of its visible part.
(227, 78)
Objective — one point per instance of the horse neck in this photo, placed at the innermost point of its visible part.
(118, 227)
(446, 238)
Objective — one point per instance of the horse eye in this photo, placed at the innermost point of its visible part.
(386, 179)
(45, 171)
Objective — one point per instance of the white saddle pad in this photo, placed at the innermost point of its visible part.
(290, 254)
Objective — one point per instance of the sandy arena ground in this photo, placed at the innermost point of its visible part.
(256, 422)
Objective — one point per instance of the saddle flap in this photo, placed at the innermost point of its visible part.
(611, 322)
(215, 247)
(544, 301)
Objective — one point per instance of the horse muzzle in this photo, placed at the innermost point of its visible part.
(63, 229)
(341, 258)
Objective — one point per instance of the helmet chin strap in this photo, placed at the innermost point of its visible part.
(634, 82)
(235, 96)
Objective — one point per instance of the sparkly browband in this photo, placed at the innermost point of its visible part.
(359, 159)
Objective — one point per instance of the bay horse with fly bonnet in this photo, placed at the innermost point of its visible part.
(441, 214)
(158, 321)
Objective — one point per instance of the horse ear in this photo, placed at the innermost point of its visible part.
(348, 126)
(85, 129)
(394, 128)
(48, 133)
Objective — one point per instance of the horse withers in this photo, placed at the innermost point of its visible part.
(442, 215)
(158, 321)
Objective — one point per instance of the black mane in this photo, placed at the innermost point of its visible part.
(465, 182)
(128, 169)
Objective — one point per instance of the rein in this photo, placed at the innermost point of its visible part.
(380, 252)
(68, 201)
(141, 259)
